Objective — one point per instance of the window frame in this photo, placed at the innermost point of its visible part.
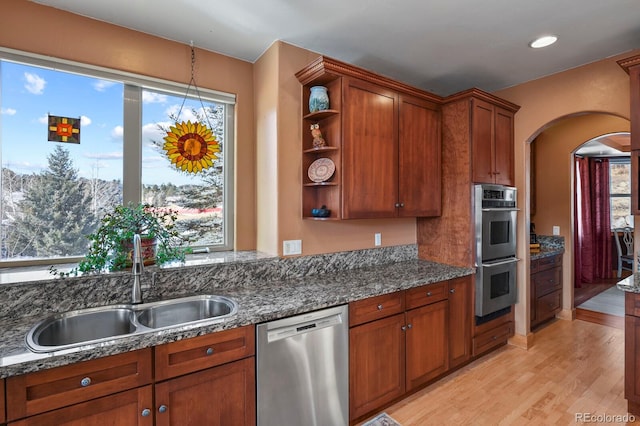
(612, 195)
(134, 84)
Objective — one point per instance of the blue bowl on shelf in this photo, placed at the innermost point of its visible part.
(321, 212)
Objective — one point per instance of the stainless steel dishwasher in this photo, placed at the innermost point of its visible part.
(303, 369)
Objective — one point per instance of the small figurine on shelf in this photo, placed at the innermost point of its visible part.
(318, 140)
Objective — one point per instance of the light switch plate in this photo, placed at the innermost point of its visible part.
(377, 239)
(291, 247)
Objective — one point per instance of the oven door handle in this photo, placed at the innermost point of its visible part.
(502, 262)
(501, 209)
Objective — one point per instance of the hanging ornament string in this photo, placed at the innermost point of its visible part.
(191, 147)
(195, 86)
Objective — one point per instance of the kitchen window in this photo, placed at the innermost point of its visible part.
(55, 192)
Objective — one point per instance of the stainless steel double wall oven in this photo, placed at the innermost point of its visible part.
(495, 220)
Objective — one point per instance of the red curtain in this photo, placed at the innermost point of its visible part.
(592, 242)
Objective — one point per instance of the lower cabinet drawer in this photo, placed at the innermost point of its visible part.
(549, 305)
(45, 390)
(492, 338)
(375, 308)
(133, 407)
(189, 355)
(547, 281)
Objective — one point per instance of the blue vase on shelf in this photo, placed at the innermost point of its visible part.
(318, 99)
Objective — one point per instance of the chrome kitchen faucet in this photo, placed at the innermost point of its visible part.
(137, 269)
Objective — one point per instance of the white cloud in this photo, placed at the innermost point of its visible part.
(34, 83)
(84, 120)
(102, 85)
(117, 132)
(185, 115)
(8, 111)
(114, 155)
(151, 131)
(43, 119)
(153, 98)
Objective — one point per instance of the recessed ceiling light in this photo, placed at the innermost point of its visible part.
(543, 41)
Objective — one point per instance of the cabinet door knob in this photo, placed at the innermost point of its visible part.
(162, 408)
(429, 294)
(85, 382)
(409, 325)
(401, 204)
(209, 351)
(452, 290)
(397, 204)
(380, 307)
(146, 412)
(403, 328)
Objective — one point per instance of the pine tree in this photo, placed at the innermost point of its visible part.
(56, 212)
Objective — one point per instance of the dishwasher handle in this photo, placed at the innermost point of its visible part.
(303, 327)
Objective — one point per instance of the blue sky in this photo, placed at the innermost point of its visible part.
(28, 94)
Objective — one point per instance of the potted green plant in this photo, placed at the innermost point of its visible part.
(111, 244)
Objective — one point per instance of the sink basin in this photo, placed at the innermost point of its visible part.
(186, 310)
(95, 325)
(81, 327)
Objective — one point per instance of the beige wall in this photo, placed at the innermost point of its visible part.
(43, 30)
(286, 197)
(600, 87)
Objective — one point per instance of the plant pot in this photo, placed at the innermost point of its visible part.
(149, 247)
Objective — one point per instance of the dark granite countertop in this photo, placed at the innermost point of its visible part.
(546, 252)
(268, 301)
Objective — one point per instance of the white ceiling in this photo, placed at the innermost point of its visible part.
(443, 46)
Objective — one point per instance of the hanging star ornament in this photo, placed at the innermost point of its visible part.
(191, 147)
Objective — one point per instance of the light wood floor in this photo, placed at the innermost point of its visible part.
(573, 367)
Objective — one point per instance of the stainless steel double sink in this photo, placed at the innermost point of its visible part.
(95, 325)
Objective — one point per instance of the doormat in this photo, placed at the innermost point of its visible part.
(382, 419)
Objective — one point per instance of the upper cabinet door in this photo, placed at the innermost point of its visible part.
(492, 143)
(370, 154)
(420, 174)
(503, 147)
(482, 141)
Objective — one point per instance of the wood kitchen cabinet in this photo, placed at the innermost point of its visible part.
(401, 341)
(546, 289)
(632, 67)
(632, 352)
(2, 404)
(78, 385)
(460, 320)
(208, 379)
(386, 145)
(132, 407)
(218, 396)
(492, 143)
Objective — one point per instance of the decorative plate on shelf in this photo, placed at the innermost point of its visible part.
(321, 170)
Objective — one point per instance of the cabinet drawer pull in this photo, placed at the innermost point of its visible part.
(209, 351)
(162, 408)
(85, 382)
(380, 307)
(146, 412)
(429, 294)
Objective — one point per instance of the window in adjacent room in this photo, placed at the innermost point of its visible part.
(620, 192)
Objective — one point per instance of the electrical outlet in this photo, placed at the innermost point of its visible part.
(556, 230)
(291, 247)
(377, 239)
